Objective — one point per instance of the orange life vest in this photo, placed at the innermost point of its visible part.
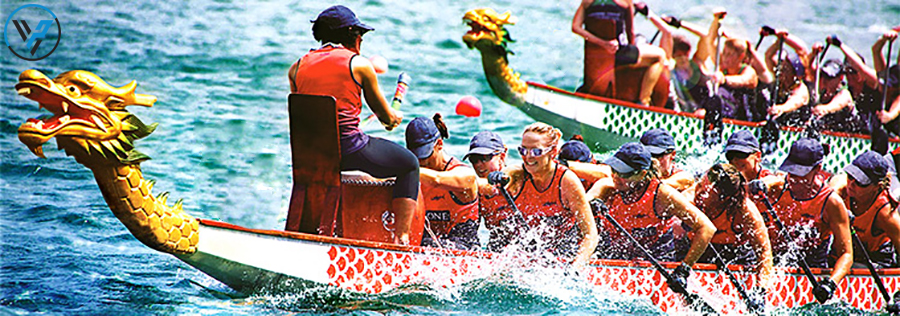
(545, 206)
(864, 224)
(444, 210)
(639, 218)
(798, 215)
(326, 71)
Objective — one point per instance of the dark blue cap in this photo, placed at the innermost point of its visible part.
(805, 154)
(421, 134)
(742, 141)
(337, 17)
(868, 167)
(630, 157)
(894, 76)
(658, 141)
(575, 150)
(485, 143)
(797, 64)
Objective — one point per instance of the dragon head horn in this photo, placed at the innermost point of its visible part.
(507, 18)
(130, 98)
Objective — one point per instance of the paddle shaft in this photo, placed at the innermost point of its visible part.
(774, 98)
(690, 298)
(879, 135)
(520, 218)
(887, 71)
(781, 229)
(720, 264)
(878, 282)
(819, 73)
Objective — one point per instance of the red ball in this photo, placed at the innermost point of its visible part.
(468, 106)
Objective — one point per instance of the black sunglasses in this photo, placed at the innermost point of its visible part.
(627, 174)
(481, 158)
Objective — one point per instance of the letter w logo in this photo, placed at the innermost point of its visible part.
(33, 38)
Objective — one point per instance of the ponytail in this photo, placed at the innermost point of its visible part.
(439, 123)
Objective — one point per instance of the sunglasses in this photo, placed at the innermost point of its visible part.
(860, 184)
(481, 158)
(668, 151)
(627, 174)
(535, 152)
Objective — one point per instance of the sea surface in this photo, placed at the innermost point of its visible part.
(218, 69)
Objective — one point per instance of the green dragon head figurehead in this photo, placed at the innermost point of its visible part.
(88, 116)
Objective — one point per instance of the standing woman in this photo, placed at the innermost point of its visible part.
(865, 190)
(551, 197)
(741, 235)
(607, 29)
(643, 205)
(449, 188)
(336, 69)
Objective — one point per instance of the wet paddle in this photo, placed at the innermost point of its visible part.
(875, 277)
(500, 179)
(402, 85)
(712, 120)
(879, 135)
(770, 132)
(770, 215)
(754, 305)
(693, 299)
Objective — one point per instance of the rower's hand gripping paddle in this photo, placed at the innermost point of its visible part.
(692, 299)
(399, 95)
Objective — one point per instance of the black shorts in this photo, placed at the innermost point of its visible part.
(627, 55)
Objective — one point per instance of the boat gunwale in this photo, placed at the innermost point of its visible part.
(692, 115)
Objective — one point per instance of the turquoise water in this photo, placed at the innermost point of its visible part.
(218, 69)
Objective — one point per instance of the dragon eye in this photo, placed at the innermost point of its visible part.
(74, 91)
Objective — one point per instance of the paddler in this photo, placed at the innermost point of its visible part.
(449, 188)
(487, 153)
(814, 216)
(607, 29)
(549, 196)
(661, 145)
(576, 155)
(864, 188)
(643, 205)
(741, 235)
(791, 105)
(336, 69)
(889, 116)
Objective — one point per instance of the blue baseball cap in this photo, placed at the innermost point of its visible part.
(485, 143)
(630, 157)
(742, 141)
(805, 154)
(868, 167)
(658, 141)
(421, 133)
(337, 17)
(575, 150)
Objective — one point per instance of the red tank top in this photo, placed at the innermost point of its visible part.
(728, 230)
(443, 209)
(865, 223)
(545, 205)
(326, 71)
(803, 219)
(493, 209)
(639, 215)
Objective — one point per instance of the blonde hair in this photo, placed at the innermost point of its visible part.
(735, 45)
(546, 130)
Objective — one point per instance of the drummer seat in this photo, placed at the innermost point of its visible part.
(316, 164)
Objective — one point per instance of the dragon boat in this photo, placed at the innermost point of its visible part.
(608, 123)
(346, 250)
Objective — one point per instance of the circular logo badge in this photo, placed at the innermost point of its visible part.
(31, 25)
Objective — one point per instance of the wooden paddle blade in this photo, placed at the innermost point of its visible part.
(768, 136)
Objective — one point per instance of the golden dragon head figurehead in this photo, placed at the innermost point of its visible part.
(88, 116)
(487, 29)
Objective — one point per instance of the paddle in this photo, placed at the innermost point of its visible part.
(500, 179)
(879, 135)
(692, 299)
(812, 130)
(868, 262)
(770, 133)
(402, 84)
(712, 121)
(754, 305)
(770, 214)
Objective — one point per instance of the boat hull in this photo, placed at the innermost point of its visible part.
(606, 124)
(252, 261)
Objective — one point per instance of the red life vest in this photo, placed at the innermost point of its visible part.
(326, 71)
(637, 216)
(801, 215)
(444, 210)
(864, 224)
(728, 230)
(545, 206)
